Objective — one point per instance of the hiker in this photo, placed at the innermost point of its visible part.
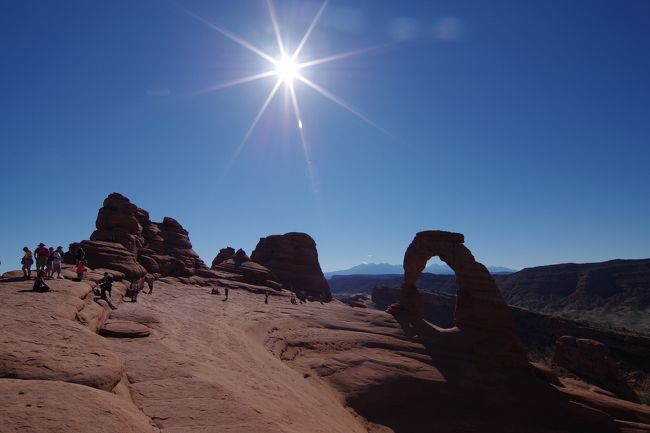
(80, 255)
(150, 283)
(293, 298)
(39, 283)
(106, 285)
(133, 290)
(57, 257)
(27, 262)
(42, 254)
(266, 297)
(81, 270)
(215, 291)
(302, 297)
(48, 266)
(226, 293)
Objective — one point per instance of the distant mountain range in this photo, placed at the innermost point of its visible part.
(389, 269)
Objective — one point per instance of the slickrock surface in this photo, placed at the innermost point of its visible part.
(160, 248)
(210, 365)
(294, 259)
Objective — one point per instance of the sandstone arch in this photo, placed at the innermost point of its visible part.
(482, 317)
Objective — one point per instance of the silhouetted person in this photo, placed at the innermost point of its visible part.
(80, 255)
(293, 299)
(266, 297)
(215, 291)
(150, 284)
(226, 293)
(48, 266)
(39, 283)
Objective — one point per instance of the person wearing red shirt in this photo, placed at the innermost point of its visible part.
(42, 253)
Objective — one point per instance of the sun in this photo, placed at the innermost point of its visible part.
(287, 69)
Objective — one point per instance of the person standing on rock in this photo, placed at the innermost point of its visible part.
(42, 254)
(150, 283)
(27, 262)
(57, 257)
(80, 255)
(48, 266)
(266, 297)
(293, 298)
(226, 292)
(81, 270)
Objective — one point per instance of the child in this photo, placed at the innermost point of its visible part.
(81, 270)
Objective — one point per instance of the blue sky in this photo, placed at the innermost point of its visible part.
(523, 125)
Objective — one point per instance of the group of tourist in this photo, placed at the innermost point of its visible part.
(48, 261)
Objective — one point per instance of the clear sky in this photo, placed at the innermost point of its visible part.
(523, 125)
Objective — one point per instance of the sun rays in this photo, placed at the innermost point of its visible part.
(287, 70)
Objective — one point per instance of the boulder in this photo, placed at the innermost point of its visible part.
(293, 258)
(591, 361)
(124, 329)
(251, 272)
(224, 254)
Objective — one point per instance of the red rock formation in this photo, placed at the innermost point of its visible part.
(482, 316)
(160, 248)
(224, 254)
(590, 360)
(294, 259)
(110, 255)
(250, 272)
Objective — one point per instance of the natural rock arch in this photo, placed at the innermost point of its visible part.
(482, 317)
(479, 302)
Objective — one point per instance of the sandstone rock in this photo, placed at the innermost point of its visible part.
(124, 329)
(224, 254)
(481, 313)
(294, 259)
(251, 272)
(159, 248)
(112, 255)
(37, 406)
(591, 360)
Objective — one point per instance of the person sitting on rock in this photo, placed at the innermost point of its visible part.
(39, 283)
(106, 285)
(27, 262)
(133, 290)
(81, 270)
(215, 291)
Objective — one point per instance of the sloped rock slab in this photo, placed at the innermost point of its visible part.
(124, 329)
